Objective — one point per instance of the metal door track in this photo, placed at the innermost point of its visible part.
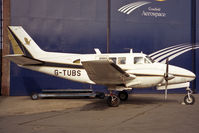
(67, 93)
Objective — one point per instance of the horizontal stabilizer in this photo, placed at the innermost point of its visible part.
(22, 60)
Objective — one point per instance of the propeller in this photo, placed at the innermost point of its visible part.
(166, 77)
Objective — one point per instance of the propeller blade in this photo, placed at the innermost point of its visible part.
(166, 78)
(165, 93)
(167, 68)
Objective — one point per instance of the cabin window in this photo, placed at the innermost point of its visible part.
(113, 59)
(138, 60)
(121, 60)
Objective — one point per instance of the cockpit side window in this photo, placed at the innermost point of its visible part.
(121, 60)
(150, 59)
(146, 61)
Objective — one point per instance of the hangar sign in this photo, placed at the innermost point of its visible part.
(151, 11)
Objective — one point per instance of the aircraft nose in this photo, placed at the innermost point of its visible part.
(188, 74)
(185, 74)
(192, 75)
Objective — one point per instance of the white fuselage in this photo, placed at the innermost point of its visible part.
(148, 74)
(118, 70)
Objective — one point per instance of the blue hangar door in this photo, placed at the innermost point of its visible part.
(79, 26)
(151, 25)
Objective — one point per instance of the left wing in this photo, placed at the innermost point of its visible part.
(106, 72)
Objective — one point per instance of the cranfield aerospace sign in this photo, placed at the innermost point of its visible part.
(154, 12)
(150, 12)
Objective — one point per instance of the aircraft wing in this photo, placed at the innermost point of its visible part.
(22, 60)
(106, 72)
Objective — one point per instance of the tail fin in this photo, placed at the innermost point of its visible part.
(22, 43)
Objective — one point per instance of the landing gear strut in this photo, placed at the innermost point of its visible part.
(189, 98)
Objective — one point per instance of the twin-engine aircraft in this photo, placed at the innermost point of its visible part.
(117, 71)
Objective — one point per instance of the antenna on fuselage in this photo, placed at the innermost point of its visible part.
(97, 51)
(131, 50)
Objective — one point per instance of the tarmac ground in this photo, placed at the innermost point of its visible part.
(142, 113)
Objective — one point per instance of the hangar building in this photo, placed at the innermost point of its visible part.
(79, 26)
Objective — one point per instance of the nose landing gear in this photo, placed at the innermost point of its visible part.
(189, 98)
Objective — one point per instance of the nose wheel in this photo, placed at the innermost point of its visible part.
(189, 98)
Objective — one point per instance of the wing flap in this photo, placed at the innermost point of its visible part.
(22, 60)
(105, 72)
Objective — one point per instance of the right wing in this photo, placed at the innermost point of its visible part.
(106, 72)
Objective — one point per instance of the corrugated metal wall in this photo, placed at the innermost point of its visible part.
(80, 25)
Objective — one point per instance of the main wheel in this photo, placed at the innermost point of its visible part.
(189, 101)
(113, 101)
(123, 95)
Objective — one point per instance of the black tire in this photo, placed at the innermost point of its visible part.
(188, 101)
(123, 95)
(35, 96)
(113, 101)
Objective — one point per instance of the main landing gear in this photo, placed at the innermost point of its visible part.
(113, 100)
(189, 98)
(123, 95)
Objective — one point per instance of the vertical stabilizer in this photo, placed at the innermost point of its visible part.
(22, 43)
